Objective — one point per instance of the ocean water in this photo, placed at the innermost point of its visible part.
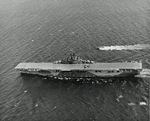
(45, 31)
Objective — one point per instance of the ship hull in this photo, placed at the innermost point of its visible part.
(84, 74)
(129, 69)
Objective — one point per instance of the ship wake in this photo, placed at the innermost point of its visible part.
(125, 47)
(144, 73)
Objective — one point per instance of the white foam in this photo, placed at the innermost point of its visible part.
(117, 100)
(131, 104)
(126, 47)
(120, 96)
(36, 105)
(144, 73)
(142, 103)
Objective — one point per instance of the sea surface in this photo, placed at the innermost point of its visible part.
(45, 31)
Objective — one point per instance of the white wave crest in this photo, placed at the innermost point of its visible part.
(126, 47)
(144, 73)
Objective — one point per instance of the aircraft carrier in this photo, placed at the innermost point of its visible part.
(75, 67)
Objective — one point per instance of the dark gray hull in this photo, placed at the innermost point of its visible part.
(85, 74)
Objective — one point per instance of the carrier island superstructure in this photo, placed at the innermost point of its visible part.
(75, 67)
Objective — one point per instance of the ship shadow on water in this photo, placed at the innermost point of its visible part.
(85, 99)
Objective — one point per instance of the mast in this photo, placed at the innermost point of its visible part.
(72, 57)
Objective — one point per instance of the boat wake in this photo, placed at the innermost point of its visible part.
(126, 47)
(144, 73)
